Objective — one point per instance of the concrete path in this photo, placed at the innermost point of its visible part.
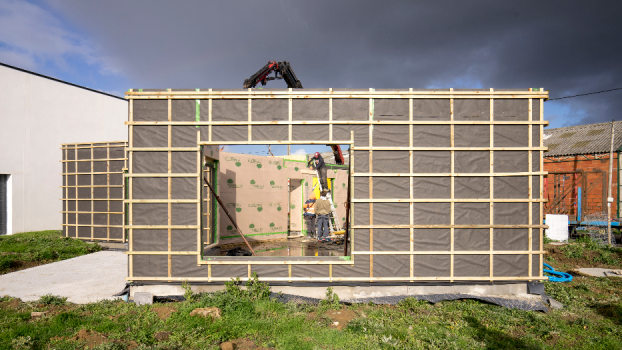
(84, 279)
(596, 272)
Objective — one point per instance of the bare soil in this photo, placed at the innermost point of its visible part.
(91, 338)
(13, 304)
(343, 316)
(164, 312)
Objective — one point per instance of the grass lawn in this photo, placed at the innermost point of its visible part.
(583, 253)
(29, 249)
(591, 319)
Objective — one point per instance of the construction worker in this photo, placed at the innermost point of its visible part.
(322, 212)
(317, 162)
(309, 214)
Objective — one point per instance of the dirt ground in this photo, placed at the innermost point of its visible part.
(164, 312)
(339, 318)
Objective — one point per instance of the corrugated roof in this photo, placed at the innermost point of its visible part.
(582, 139)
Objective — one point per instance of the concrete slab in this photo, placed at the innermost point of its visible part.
(84, 279)
(143, 298)
(596, 272)
(513, 290)
(478, 289)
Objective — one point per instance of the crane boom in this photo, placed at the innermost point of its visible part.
(282, 70)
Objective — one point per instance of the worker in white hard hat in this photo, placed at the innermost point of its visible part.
(317, 162)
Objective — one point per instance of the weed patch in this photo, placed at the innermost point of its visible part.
(583, 253)
(50, 299)
(29, 249)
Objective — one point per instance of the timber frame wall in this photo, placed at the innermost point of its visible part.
(93, 190)
(434, 230)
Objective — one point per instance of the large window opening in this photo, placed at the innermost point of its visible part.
(277, 198)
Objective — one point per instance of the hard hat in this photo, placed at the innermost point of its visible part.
(316, 155)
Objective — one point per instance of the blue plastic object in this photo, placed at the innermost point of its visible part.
(558, 276)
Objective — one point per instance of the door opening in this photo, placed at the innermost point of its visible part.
(4, 204)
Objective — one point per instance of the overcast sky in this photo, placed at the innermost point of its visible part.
(567, 47)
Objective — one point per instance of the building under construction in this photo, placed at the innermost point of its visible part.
(445, 185)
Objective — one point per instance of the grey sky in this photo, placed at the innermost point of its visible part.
(567, 47)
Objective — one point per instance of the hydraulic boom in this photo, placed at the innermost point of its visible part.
(282, 70)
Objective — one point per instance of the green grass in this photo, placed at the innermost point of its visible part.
(39, 248)
(591, 319)
(584, 252)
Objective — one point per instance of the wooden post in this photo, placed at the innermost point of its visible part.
(169, 188)
(609, 198)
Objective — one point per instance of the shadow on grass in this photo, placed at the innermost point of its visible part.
(496, 339)
(611, 311)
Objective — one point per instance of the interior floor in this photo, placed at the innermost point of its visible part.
(303, 246)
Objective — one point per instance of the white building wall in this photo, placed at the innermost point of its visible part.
(37, 115)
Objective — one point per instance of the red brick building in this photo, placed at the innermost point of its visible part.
(578, 163)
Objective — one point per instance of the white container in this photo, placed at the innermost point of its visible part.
(558, 227)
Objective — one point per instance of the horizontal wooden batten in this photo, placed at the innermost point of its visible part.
(163, 149)
(275, 262)
(250, 93)
(73, 148)
(84, 225)
(91, 186)
(336, 279)
(450, 174)
(310, 94)
(163, 253)
(455, 252)
(97, 144)
(448, 200)
(174, 227)
(89, 212)
(99, 239)
(96, 173)
(301, 96)
(162, 175)
(91, 199)
(449, 226)
(212, 143)
(91, 160)
(375, 148)
(161, 201)
(340, 122)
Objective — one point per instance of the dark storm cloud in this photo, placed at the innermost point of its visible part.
(568, 47)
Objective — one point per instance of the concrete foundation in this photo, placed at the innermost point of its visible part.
(353, 292)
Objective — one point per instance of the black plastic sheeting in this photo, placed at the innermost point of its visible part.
(525, 305)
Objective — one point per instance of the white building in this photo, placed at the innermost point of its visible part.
(37, 114)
